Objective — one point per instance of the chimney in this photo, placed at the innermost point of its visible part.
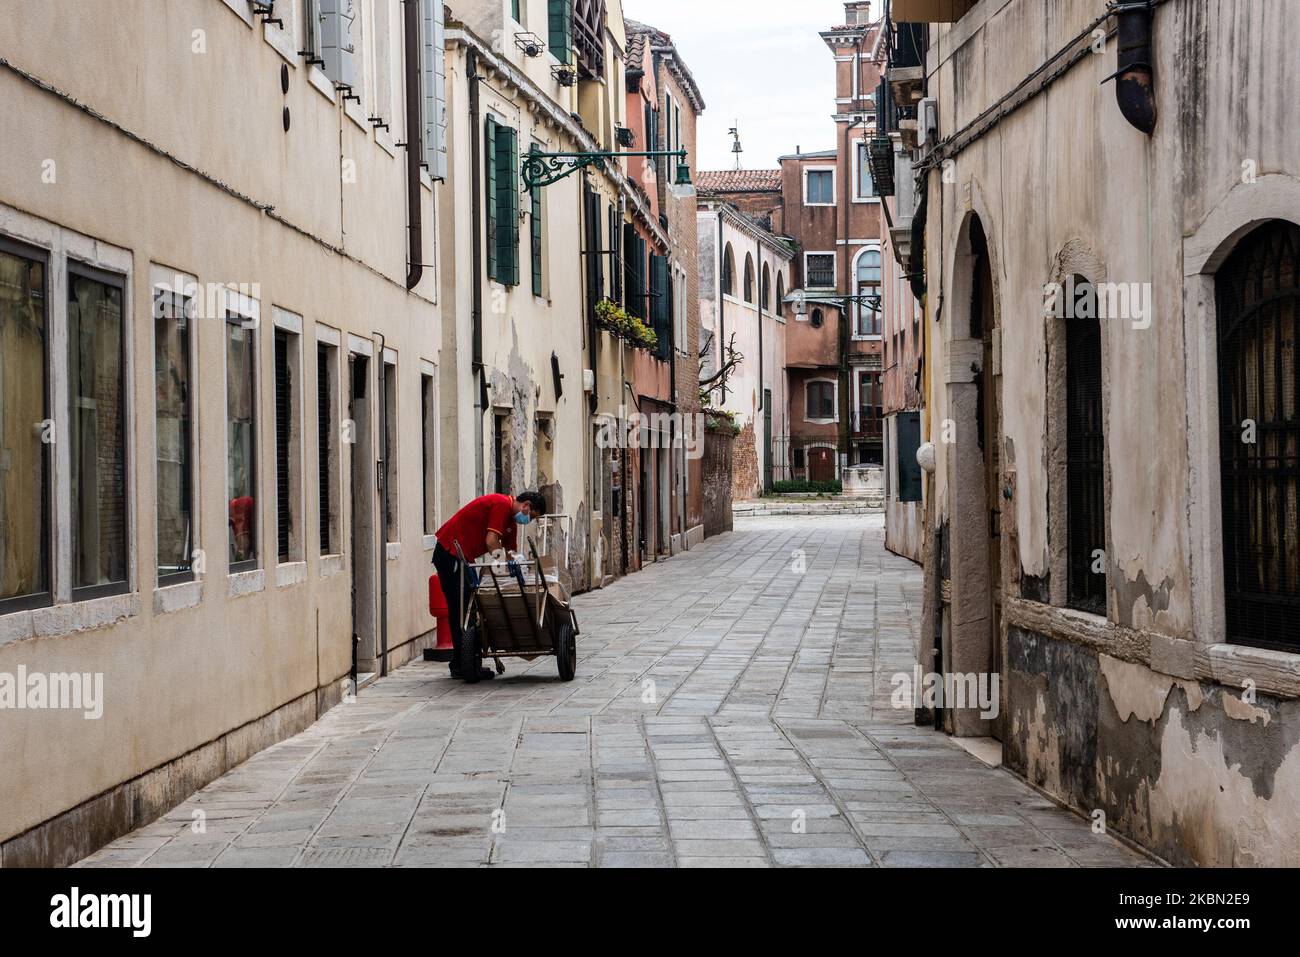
(857, 12)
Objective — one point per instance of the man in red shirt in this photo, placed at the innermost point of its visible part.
(483, 526)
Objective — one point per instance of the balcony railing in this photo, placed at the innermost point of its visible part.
(866, 424)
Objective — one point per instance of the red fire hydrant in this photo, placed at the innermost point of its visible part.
(438, 609)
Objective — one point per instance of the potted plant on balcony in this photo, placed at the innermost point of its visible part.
(618, 322)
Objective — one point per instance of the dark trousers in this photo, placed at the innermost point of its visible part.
(454, 586)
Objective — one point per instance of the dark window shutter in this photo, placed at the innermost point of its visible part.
(908, 425)
(536, 220)
(490, 195)
(506, 185)
(560, 27)
(659, 301)
(1085, 459)
(324, 429)
(283, 421)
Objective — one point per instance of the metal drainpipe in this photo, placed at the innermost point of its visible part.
(381, 476)
(476, 239)
(1133, 80)
(722, 308)
(762, 475)
(845, 304)
(414, 216)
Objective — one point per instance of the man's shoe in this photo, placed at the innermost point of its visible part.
(486, 674)
(454, 668)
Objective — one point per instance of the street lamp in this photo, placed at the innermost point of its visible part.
(543, 169)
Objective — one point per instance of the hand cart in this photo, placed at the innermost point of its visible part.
(514, 614)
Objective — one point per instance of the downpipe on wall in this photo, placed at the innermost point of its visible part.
(1134, 78)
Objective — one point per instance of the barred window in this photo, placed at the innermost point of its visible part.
(1085, 456)
(1258, 304)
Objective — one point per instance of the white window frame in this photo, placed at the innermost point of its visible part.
(856, 307)
(834, 185)
(835, 269)
(857, 175)
(163, 279)
(291, 325)
(835, 401)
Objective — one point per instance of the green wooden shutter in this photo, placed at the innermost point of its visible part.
(507, 186)
(490, 196)
(560, 23)
(537, 240)
(659, 301)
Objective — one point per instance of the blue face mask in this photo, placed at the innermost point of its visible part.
(522, 519)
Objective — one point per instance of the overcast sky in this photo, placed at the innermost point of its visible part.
(757, 61)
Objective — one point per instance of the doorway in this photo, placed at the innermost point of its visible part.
(985, 330)
(358, 433)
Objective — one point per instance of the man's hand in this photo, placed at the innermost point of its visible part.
(493, 541)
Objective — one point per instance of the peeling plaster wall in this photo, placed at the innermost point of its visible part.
(1186, 768)
(1134, 712)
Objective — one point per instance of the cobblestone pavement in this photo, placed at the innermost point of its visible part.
(728, 711)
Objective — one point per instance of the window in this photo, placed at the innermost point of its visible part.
(311, 28)
(634, 272)
(327, 448)
(24, 468)
(429, 449)
(173, 434)
(679, 309)
(515, 12)
(241, 440)
(908, 439)
(870, 405)
(288, 469)
(819, 270)
(502, 203)
(392, 517)
(821, 400)
(867, 315)
(98, 431)
(538, 236)
(501, 453)
(749, 278)
(864, 185)
(728, 272)
(1258, 306)
(819, 187)
(817, 319)
(780, 295)
(765, 290)
(1085, 457)
(661, 304)
(434, 84)
(560, 29)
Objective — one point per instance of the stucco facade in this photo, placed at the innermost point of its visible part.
(134, 171)
(1181, 731)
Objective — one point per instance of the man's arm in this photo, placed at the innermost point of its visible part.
(500, 518)
(493, 541)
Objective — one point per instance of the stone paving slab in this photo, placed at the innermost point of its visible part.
(732, 709)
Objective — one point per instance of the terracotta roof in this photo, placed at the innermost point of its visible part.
(739, 181)
(661, 44)
(635, 56)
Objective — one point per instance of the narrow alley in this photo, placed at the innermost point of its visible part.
(732, 708)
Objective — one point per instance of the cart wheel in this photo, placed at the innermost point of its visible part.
(470, 662)
(566, 651)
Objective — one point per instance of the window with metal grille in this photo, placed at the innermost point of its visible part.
(821, 270)
(241, 440)
(283, 434)
(908, 435)
(326, 450)
(173, 431)
(1085, 441)
(1258, 304)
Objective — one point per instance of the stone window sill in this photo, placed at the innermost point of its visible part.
(173, 598)
(246, 583)
(69, 618)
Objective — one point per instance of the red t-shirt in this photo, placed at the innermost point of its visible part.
(469, 526)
